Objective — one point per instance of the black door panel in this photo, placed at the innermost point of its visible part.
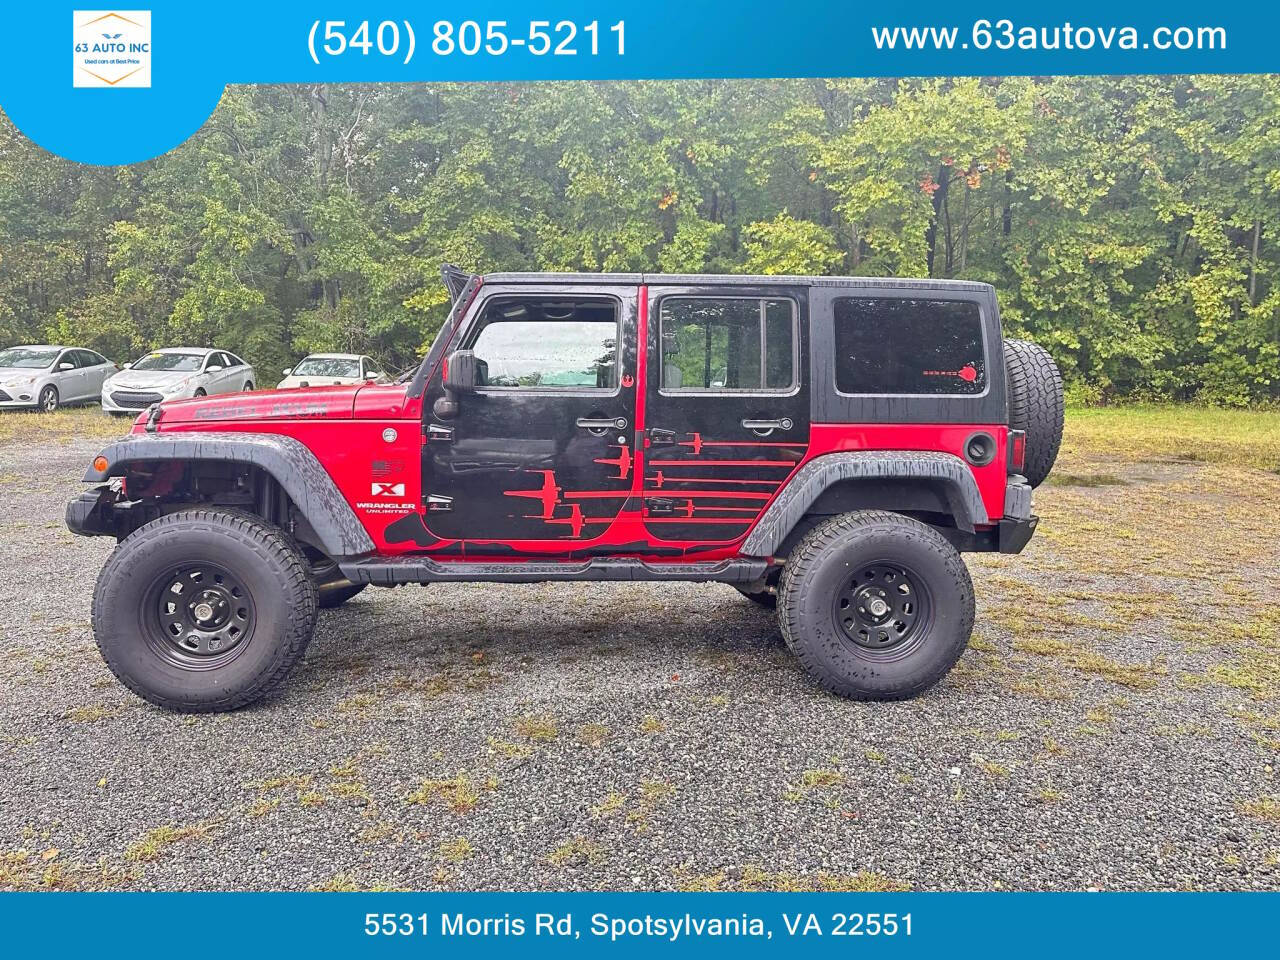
(727, 408)
(518, 466)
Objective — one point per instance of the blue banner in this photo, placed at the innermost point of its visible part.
(211, 925)
(142, 81)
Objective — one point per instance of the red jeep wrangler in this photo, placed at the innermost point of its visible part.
(826, 444)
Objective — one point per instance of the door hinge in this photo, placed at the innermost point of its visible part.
(657, 436)
(438, 504)
(437, 432)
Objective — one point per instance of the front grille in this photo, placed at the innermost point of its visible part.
(135, 399)
(4, 396)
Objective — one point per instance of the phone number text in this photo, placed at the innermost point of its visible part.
(398, 39)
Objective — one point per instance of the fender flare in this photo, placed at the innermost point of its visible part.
(822, 472)
(289, 462)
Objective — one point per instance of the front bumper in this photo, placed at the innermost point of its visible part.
(146, 399)
(87, 514)
(18, 397)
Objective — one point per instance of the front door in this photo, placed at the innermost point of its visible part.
(542, 451)
(727, 406)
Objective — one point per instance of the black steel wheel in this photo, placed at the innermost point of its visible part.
(204, 616)
(883, 608)
(875, 605)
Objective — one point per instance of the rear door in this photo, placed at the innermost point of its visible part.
(542, 449)
(727, 406)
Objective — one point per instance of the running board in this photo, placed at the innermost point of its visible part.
(390, 571)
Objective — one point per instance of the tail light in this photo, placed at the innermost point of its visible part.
(1017, 451)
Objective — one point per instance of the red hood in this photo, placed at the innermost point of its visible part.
(306, 403)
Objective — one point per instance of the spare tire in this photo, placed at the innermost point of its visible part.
(1035, 405)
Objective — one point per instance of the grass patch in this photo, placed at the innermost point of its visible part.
(18, 426)
(576, 852)
(537, 729)
(155, 842)
(1263, 808)
(1085, 480)
(456, 850)
(1244, 438)
(461, 794)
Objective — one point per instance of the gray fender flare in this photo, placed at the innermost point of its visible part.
(820, 473)
(289, 462)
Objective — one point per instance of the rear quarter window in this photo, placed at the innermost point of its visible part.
(900, 346)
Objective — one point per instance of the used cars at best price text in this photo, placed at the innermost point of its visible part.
(45, 377)
(829, 445)
(332, 369)
(174, 373)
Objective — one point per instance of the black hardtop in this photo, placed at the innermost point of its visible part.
(735, 280)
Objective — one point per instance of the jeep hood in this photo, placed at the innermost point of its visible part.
(311, 403)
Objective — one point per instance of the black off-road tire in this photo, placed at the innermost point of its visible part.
(1035, 404)
(766, 598)
(280, 611)
(832, 557)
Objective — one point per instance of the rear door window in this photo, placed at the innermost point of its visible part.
(906, 346)
(728, 344)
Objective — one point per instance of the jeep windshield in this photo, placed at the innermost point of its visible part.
(27, 358)
(327, 367)
(176, 362)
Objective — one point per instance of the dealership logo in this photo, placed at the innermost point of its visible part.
(111, 48)
(379, 489)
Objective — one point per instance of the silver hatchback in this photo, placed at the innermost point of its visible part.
(45, 376)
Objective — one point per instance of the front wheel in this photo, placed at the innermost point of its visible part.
(204, 610)
(49, 400)
(875, 605)
(248, 386)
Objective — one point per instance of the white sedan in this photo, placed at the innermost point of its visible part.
(172, 374)
(325, 369)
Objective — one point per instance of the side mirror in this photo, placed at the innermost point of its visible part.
(126, 366)
(66, 365)
(462, 372)
(287, 370)
(213, 368)
(461, 375)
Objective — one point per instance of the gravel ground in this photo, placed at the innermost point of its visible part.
(1113, 726)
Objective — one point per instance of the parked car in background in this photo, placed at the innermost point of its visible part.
(175, 373)
(45, 377)
(323, 369)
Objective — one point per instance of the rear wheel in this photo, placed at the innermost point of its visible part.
(875, 605)
(200, 392)
(48, 401)
(248, 385)
(204, 610)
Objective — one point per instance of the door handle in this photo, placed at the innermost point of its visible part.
(762, 428)
(601, 425)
